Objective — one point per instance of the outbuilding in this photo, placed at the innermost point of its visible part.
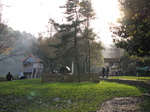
(32, 66)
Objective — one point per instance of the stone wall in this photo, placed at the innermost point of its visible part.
(142, 84)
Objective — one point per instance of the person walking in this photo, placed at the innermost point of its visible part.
(103, 72)
(107, 71)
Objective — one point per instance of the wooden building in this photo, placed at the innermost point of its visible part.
(32, 66)
(111, 61)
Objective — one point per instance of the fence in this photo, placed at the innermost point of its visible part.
(71, 78)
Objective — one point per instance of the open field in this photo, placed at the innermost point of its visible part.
(33, 96)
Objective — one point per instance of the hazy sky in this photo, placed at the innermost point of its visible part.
(32, 15)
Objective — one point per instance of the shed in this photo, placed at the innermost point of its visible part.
(32, 66)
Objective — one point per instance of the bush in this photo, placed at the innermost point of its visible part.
(2, 79)
(131, 71)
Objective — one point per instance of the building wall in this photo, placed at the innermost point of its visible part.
(39, 65)
(32, 68)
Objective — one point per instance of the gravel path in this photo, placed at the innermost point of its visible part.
(122, 104)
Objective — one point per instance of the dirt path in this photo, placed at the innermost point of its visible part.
(125, 104)
(122, 104)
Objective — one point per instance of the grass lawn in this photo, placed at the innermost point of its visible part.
(131, 78)
(33, 96)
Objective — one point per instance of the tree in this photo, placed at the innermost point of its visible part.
(115, 52)
(72, 11)
(134, 27)
(8, 39)
(96, 58)
(72, 31)
(43, 50)
(88, 38)
(78, 15)
(73, 40)
(88, 14)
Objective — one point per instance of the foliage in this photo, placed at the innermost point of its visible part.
(134, 27)
(14, 43)
(42, 49)
(96, 59)
(70, 33)
(115, 51)
(132, 68)
(32, 95)
(7, 41)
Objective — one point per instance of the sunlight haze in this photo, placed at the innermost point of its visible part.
(32, 15)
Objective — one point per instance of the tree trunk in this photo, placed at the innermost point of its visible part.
(76, 52)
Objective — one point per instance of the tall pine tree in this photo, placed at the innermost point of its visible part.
(78, 15)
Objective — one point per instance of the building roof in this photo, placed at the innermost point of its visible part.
(32, 58)
(111, 59)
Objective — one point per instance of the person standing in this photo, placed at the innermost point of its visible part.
(107, 71)
(103, 72)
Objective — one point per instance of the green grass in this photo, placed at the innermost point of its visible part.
(131, 78)
(33, 96)
(146, 105)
